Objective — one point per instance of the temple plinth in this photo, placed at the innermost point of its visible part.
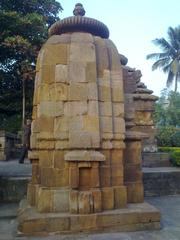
(86, 173)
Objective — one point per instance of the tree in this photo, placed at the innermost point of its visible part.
(167, 112)
(169, 59)
(23, 29)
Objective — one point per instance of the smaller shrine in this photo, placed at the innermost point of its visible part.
(86, 141)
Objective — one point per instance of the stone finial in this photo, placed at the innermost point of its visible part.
(79, 10)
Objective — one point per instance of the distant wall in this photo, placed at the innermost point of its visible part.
(8, 145)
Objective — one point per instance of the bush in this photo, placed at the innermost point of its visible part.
(175, 157)
(174, 154)
(176, 139)
(168, 136)
(168, 149)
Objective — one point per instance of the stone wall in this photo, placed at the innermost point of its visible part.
(161, 181)
(8, 142)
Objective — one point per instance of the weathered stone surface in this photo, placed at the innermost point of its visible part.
(93, 108)
(73, 202)
(34, 141)
(95, 181)
(97, 201)
(58, 159)
(60, 200)
(82, 52)
(91, 74)
(61, 73)
(81, 37)
(55, 54)
(78, 155)
(62, 144)
(133, 152)
(120, 197)
(32, 193)
(118, 109)
(74, 177)
(105, 176)
(134, 217)
(54, 177)
(135, 192)
(92, 91)
(101, 55)
(132, 174)
(61, 127)
(56, 39)
(117, 157)
(35, 173)
(80, 139)
(119, 125)
(47, 74)
(43, 124)
(105, 109)
(143, 118)
(117, 176)
(46, 145)
(106, 124)
(58, 92)
(43, 93)
(50, 109)
(91, 123)
(118, 144)
(104, 93)
(46, 158)
(77, 72)
(113, 55)
(107, 198)
(75, 108)
(117, 95)
(34, 113)
(78, 92)
(106, 144)
(84, 200)
(45, 200)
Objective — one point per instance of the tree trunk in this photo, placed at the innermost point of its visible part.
(23, 102)
(176, 82)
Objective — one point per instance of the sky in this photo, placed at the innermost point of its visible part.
(133, 24)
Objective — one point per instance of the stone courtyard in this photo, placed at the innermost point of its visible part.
(170, 224)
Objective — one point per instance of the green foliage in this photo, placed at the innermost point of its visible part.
(168, 60)
(174, 154)
(167, 110)
(176, 139)
(23, 29)
(164, 136)
(168, 149)
(175, 157)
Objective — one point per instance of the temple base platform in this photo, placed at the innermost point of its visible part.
(134, 217)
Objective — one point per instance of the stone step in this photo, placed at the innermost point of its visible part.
(156, 159)
(161, 181)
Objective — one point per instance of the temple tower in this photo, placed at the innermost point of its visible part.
(78, 133)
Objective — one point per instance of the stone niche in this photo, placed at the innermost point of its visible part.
(86, 164)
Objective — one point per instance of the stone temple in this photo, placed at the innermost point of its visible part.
(86, 156)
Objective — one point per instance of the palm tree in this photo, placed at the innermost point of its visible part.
(169, 59)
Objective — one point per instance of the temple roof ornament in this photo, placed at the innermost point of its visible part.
(79, 23)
